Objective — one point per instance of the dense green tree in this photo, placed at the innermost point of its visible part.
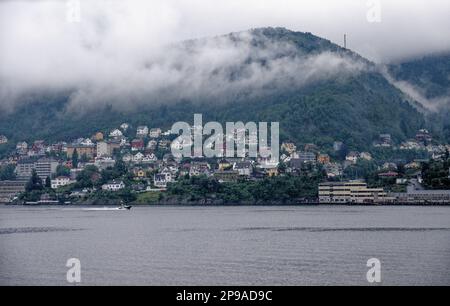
(88, 177)
(436, 175)
(48, 182)
(84, 158)
(282, 189)
(75, 159)
(34, 184)
(62, 170)
(120, 167)
(126, 196)
(7, 173)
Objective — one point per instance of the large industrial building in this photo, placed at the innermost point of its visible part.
(421, 196)
(353, 192)
(10, 189)
(44, 167)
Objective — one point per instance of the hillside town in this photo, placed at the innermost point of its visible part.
(129, 164)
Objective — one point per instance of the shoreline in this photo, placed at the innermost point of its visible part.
(236, 205)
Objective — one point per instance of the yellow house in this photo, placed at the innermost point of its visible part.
(324, 159)
(98, 136)
(89, 151)
(271, 172)
(224, 165)
(139, 174)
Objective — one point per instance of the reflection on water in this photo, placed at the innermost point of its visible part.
(225, 245)
(352, 229)
(23, 230)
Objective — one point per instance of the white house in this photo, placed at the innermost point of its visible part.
(124, 142)
(138, 157)
(284, 158)
(366, 156)
(352, 157)
(268, 163)
(152, 144)
(180, 143)
(61, 182)
(200, 168)
(127, 158)
(22, 147)
(113, 186)
(244, 168)
(142, 131)
(86, 142)
(333, 170)
(149, 158)
(155, 133)
(3, 139)
(103, 163)
(161, 180)
(411, 145)
(116, 133)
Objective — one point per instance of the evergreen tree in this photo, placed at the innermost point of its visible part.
(48, 182)
(34, 184)
(75, 159)
(62, 171)
(120, 167)
(7, 173)
(84, 158)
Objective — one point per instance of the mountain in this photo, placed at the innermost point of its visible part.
(430, 74)
(318, 91)
(428, 78)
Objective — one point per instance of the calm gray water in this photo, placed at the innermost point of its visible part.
(225, 245)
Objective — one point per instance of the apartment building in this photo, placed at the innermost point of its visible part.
(414, 195)
(45, 167)
(355, 192)
(10, 189)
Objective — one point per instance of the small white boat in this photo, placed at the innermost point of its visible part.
(108, 208)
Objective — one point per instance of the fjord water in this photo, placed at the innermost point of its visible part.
(225, 245)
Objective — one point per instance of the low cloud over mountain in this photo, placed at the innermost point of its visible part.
(130, 53)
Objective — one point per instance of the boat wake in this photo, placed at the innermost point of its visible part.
(125, 208)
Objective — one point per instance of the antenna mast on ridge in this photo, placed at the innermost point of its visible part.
(345, 41)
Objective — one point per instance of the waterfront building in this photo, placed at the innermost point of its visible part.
(415, 195)
(11, 189)
(355, 192)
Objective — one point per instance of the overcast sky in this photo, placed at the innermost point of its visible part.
(43, 39)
